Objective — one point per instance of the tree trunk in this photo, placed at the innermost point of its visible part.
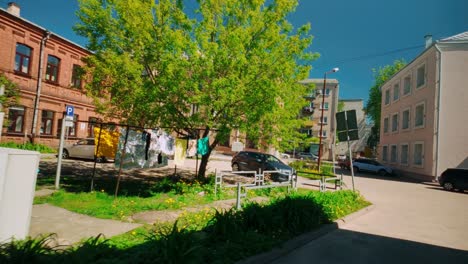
(206, 157)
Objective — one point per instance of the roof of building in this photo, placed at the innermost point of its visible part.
(42, 28)
(318, 81)
(351, 100)
(459, 37)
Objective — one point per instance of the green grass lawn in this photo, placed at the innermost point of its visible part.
(137, 196)
(206, 236)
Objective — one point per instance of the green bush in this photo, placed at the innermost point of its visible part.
(28, 146)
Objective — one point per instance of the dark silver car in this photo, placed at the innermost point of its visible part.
(255, 161)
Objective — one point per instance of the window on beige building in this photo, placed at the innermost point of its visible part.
(385, 125)
(385, 153)
(324, 120)
(407, 85)
(419, 115)
(395, 122)
(396, 92)
(418, 154)
(404, 154)
(47, 121)
(22, 59)
(387, 96)
(405, 119)
(393, 153)
(16, 119)
(421, 76)
(324, 106)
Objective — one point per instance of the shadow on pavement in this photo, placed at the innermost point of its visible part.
(345, 246)
(377, 177)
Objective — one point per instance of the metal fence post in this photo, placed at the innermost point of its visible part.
(238, 201)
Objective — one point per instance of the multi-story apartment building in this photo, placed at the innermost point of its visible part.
(424, 111)
(364, 129)
(46, 68)
(314, 113)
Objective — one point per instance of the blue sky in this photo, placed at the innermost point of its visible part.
(351, 35)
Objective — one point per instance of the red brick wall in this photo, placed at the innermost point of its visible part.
(54, 96)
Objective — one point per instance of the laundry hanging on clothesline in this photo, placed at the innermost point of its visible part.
(144, 149)
(108, 142)
(203, 146)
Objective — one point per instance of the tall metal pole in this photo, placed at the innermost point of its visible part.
(39, 85)
(321, 121)
(59, 161)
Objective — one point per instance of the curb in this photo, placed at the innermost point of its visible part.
(304, 239)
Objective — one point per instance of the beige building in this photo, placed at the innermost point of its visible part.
(314, 111)
(424, 119)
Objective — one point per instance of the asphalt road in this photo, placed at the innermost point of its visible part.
(410, 223)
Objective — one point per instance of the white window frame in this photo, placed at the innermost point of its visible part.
(323, 105)
(407, 154)
(387, 102)
(385, 131)
(395, 146)
(408, 109)
(422, 154)
(397, 122)
(410, 86)
(422, 65)
(396, 85)
(424, 115)
(385, 153)
(325, 120)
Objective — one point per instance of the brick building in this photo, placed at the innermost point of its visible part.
(55, 78)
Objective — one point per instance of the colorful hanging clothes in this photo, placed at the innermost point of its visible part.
(141, 151)
(192, 148)
(107, 144)
(180, 151)
(203, 146)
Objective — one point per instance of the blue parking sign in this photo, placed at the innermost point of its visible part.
(69, 110)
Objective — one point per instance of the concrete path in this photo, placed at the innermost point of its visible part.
(72, 227)
(410, 223)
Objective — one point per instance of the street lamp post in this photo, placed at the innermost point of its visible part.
(321, 115)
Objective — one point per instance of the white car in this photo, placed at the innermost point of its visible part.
(82, 149)
(371, 166)
(285, 156)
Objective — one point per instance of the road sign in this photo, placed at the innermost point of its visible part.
(69, 110)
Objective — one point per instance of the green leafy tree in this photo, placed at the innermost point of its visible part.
(10, 94)
(373, 106)
(234, 64)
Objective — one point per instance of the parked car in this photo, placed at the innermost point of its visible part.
(82, 149)
(344, 163)
(285, 156)
(369, 165)
(255, 161)
(452, 179)
(307, 156)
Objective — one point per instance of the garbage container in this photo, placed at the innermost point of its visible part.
(18, 172)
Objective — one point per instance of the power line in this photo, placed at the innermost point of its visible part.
(375, 55)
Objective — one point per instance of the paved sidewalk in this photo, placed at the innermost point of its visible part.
(72, 227)
(411, 223)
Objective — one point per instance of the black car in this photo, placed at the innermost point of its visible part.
(452, 179)
(255, 161)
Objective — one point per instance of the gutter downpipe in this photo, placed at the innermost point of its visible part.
(39, 85)
(438, 111)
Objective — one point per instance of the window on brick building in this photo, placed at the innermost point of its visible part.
(16, 119)
(47, 122)
(404, 154)
(52, 71)
(22, 58)
(76, 76)
(407, 85)
(384, 153)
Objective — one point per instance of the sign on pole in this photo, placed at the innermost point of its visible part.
(69, 113)
(347, 129)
